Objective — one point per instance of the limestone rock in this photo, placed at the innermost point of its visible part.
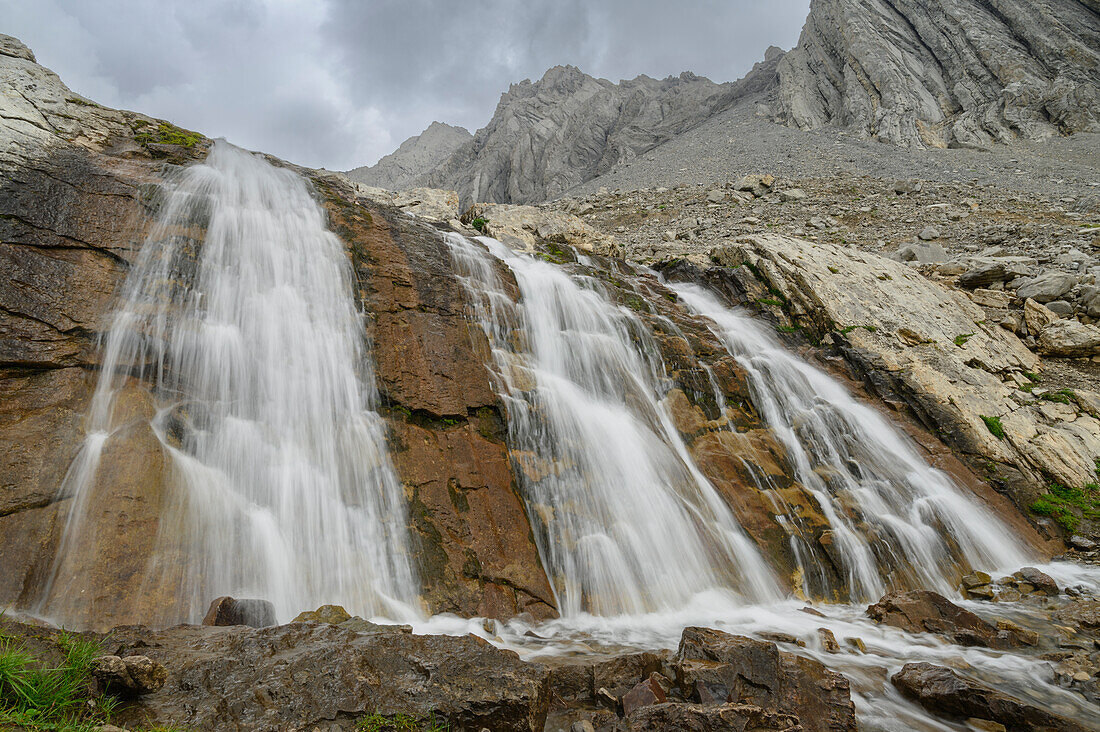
(129, 675)
(433, 204)
(1037, 316)
(946, 693)
(1047, 287)
(939, 73)
(522, 227)
(1069, 338)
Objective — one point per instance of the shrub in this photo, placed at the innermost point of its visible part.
(479, 224)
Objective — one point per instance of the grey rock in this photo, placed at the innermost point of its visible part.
(1060, 307)
(1090, 301)
(1069, 338)
(929, 233)
(939, 73)
(923, 252)
(1047, 287)
(716, 196)
(792, 194)
(983, 275)
(416, 157)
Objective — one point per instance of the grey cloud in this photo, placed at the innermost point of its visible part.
(338, 83)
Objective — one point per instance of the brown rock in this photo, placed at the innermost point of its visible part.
(231, 611)
(331, 614)
(708, 718)
(1039, 580)
(716, 667)
(946, 693)
(644, 694)
(922, 611)
(129, 675)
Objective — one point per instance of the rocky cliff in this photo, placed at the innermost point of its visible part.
(946, 72)
(416, 157)
(568, 127)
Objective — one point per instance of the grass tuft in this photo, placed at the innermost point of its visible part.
(995, 426)
(1068, 506)
(401, 723)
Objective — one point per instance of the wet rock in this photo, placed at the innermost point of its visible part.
(247, 678)
(332, 614)
(1081, 614)
(922, 611)
(644, 694)
(828, 640)
(709, 718)
(716, 667)
(945, 693)
(231, 611)
(129, 675)
(1040, 580)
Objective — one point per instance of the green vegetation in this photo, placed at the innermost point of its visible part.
(773, 303)
(788, 328)
(849, 328)
(479, 224)
(164, 134)
(995, 426)
(1068, 506)
(960, 340)
(833, 269)
(1033, 377)
(1062, 396)
(401, 723)
(35, 696)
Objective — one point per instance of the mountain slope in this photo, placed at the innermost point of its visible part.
(946, 72)
(568, 127)
(416, 156)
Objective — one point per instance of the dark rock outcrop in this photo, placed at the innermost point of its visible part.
(231, 611)
(713, 667)
(300, 675)
(922, 611)
(946, 73)
(946, 693)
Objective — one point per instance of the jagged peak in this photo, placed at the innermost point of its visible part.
(12, 46)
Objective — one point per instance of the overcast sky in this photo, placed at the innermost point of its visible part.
(339, 83)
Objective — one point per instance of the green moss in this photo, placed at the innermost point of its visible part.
(848, 329)
(1033, 377)
(1062, 396)
(479, 224)
(995, 426)
(788, 328)
(960, 340)
(401, 723)
(773, 303)
(833, 269)
(165, 133)
(1068, 505)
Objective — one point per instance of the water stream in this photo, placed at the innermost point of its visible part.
(239, 310)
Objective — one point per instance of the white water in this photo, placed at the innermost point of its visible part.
(624, 520)
(891, 514)
(282, 488)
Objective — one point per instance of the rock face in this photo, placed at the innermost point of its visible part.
(301, 675)
(524, 227)
(923, 349)
(946, 72)
(415, 157)
(546, 137)
(944, 692)
(921, 611)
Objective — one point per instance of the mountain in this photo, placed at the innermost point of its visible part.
(416, 156)
(939, 73)
(568, 127)
(914, 73)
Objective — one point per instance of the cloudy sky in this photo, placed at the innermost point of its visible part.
(339, 83)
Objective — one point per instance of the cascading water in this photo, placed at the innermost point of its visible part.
(914, 524)
(625, 521)
(282, 486)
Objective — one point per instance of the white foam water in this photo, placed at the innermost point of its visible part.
(239, 310)
(892, 515)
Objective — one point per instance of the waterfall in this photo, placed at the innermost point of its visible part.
(916, 525)
(239, 311)
(624, 520)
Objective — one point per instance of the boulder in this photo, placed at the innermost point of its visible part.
(923, 611)
(331, 614)
(525, 227)
(231, 611)
(713, 667)
(304, 675)
(756, 184)
(948, 694)
(650, 691)
(129, 675)
(924, 252)
(929, 233)
(1069, 338)
(983, 275)
(1038, 316)
(1040, 580)
(788, 195)
(1045, 288)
